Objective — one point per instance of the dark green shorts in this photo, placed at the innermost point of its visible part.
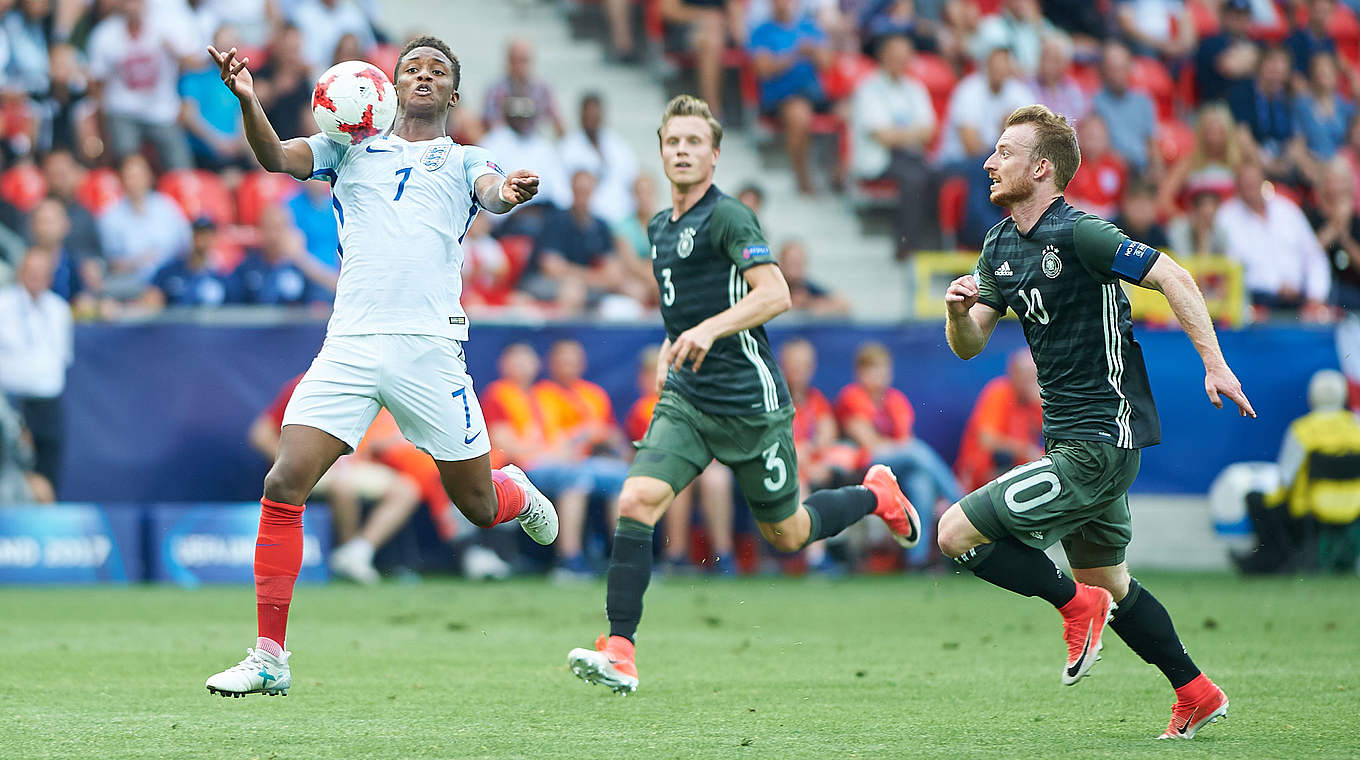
(681, 441)
(1077, 493)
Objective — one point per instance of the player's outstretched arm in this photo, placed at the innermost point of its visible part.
(1187, 303)
(969, 323)
(498, 195)
(767, 299)
(275, 155)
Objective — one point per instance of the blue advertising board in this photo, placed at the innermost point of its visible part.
(192, 544)
(70, 543)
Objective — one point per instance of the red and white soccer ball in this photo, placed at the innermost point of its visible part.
(354, 101)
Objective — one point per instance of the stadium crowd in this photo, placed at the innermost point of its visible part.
(1208, 128)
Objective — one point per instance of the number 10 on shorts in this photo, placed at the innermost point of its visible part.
(1046, 478)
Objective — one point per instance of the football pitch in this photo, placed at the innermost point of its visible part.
(884, 667)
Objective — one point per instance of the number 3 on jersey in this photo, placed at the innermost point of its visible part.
(405, 174)
(667, 287)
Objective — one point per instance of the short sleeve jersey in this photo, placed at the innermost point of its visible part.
(698, 261)
(1063, 280)
(403, 209)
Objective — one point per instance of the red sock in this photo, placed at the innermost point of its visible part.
(278, 558)
(510, 498)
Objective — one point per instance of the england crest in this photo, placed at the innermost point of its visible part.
(686, 245)
(435, 156)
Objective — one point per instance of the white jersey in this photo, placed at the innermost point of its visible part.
(403, 209)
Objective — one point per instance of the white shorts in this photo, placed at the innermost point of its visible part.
(421, 379)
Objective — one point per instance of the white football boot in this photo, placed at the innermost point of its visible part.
(539, 518)
(259, 673)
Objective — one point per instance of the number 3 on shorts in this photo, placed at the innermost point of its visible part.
(1046, 478)
(779, 471)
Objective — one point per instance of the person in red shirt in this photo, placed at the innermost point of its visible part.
(1099, 182)
(879, 419)
(1006, 426)
(823, 461)
(714, 490)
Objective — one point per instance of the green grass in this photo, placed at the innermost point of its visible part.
(754, 668)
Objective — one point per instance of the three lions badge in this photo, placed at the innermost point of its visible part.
(435, 156)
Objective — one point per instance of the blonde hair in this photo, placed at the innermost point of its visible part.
(1232, 150)
(872, 354)
(1055, 140)
(688, 105)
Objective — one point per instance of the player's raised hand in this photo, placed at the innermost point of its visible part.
(234, 73)
(692, 346)
(520, 186)
(1222, 380)
(961, 295)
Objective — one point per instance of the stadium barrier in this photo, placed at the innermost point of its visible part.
(185, 544)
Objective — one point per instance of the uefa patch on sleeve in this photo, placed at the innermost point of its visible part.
(754, 251)
(1131, 260)
(495, 168)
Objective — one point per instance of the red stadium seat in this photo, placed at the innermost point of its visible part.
(840, 79)
(199, 194)
(1176, 140)
(517, 250)
(384, 57)
(1087, 77)
(1149, 75)
(938, 77)
(23, 187)
(1204, 17)
(260, 189)
(99, 189)
(953, 204)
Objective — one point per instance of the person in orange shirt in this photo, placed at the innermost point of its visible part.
(580, 414)
(823, 461)
(714, 486)
(1006, 426)
(879, 419)
(520, 432)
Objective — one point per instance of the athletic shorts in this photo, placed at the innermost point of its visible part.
(681, 441)
(421, 379)
(1076, 493)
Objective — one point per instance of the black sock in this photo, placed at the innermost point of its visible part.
(630, 569)
(1144, 624)
(834, 509)
(1023, 569)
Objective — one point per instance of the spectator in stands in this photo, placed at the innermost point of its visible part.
(1194, 232)
(252, 18)
(134, 61)
(63, 176)
(519, 82)
(1285, 266)
(26, 69)
(878, 418)
(632, 231)
(602, 152)
(49, 229)
(1138, 215)
(284, 84)
(1226, 60)
(65, 104)
(1005, 428)
(1321, 116)
(1086, 22)
(1265, 107)
(313, 214)
(347, 48)
(1157, 28)
(978, 107)
(578, 412)
(1213, 163)
(517, 432)
(1053, 83)
(574, 263)
(1311, 38)
(189, 280)
(753, 196)
(326, 21)
(895, 18)
(1130, 115)
(140, 232)
(1020, 27)
(788, 52)
(515, 143)
(809, 298)
(486, 266)
(622, 45)
(1100, 179)
(713, 488)
(1338, 231)
(1351, 152)
(892, 122)
(211, 114)
(36, 347)
(19, 484)
(707, 26)
(279, 272)
(823, 461)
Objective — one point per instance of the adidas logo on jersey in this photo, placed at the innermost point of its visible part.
(1005, 270)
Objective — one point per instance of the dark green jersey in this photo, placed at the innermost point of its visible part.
(1063, 280)
(698, 260)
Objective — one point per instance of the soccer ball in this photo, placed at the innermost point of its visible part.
(353, 102)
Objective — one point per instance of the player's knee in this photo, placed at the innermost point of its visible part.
(285, 485)
(784, 542)
(644, 503)
(477, 501)
(953, 535)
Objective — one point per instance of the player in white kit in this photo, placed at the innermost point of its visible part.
(403, 203)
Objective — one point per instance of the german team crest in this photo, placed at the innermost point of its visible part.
(1051, 264)
(435, 156)
(686, 245)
